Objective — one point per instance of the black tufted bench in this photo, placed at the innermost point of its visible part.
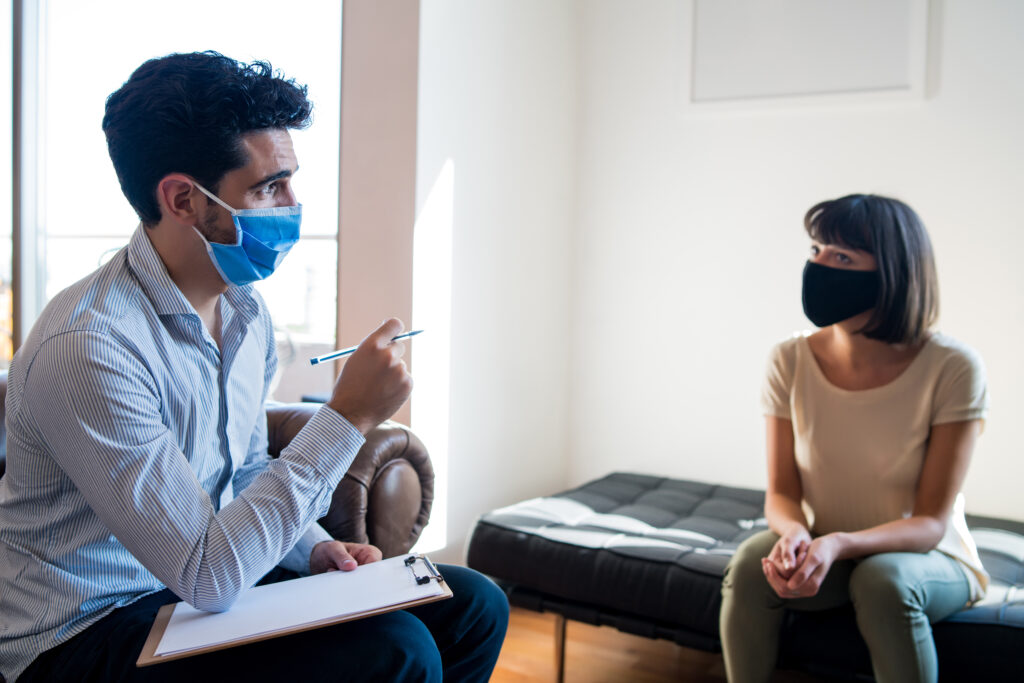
(646, 555)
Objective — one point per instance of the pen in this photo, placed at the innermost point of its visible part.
(344, 352)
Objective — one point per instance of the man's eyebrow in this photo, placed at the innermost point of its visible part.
(271, 178)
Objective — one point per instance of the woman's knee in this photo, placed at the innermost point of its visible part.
(931, 586)
(744, 568)
(880, 582)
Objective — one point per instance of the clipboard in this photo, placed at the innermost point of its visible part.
(302, 604)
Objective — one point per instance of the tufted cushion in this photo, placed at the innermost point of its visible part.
(635, 544)
(646, 555)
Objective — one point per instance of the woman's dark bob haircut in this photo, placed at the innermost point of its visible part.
(908, 298)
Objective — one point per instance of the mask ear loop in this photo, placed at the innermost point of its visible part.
(212, 255)
(216, 198)
(206, 242)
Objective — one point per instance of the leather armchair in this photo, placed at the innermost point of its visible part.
(384, 498)
(386, 495)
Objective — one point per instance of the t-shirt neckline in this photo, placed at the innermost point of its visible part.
(820, 374)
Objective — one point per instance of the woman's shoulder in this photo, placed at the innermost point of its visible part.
(790, 346)
(951, 354)
(960, 385)
(785, 354)
(781, 372)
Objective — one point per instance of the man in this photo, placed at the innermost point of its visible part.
(137, 467)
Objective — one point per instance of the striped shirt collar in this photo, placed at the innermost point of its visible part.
(149, 269)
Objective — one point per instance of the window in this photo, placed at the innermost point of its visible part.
(82, 216)
(6, 243)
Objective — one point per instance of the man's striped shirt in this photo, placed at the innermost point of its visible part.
(137, 457)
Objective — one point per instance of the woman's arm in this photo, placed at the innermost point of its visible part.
(949, 452)
(945, 466)
(782, 502)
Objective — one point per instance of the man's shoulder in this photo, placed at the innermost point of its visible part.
(96, 305)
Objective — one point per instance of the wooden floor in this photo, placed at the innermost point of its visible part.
(600, 654)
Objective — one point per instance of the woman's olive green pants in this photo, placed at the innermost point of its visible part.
(896, 597)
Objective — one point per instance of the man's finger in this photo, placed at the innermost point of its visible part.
(341, 558)
(364, 553)
(388, 330)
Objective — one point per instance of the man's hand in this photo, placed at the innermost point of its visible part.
(805, 581)
(374, 382)
(329, 556)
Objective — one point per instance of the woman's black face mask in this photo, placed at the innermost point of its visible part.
(831, 295)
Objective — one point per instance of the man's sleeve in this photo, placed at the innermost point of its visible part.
(100, 413)
(257, 460)
(297, 558)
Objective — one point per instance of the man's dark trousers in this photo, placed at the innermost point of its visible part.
(457, 639)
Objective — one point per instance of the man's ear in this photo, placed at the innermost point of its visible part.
(179, 198)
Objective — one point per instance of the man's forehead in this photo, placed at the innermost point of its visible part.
(269, 156)
(272, 146)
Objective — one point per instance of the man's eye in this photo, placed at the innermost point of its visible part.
(269, 189)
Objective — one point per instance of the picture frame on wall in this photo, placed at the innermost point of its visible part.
(789, 51)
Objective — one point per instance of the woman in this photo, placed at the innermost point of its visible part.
(871, 424)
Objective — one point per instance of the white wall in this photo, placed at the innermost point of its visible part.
(497, 98)
(689, 245)
(624, 260)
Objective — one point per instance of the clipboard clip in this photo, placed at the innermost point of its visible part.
(423, 579)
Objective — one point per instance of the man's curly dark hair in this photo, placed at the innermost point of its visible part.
(187, 113)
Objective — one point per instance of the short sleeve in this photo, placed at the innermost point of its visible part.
(961, 392)
(778, 381)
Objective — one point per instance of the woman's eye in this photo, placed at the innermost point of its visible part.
(815, 251)
(843, 258)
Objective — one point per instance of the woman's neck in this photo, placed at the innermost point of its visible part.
(853, 349)
(853, 361)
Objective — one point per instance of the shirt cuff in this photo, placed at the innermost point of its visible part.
(328, 443)
(297, 558)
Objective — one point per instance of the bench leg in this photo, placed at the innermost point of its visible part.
(560, 648)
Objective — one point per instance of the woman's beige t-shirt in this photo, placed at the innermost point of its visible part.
(860, 453)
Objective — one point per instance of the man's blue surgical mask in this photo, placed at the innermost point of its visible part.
(263, 238)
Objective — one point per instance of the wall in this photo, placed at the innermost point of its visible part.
(689, 246)
(497, 97)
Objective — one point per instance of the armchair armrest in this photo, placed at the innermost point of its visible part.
(386, 495)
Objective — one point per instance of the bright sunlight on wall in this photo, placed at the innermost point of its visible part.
(432, 312)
